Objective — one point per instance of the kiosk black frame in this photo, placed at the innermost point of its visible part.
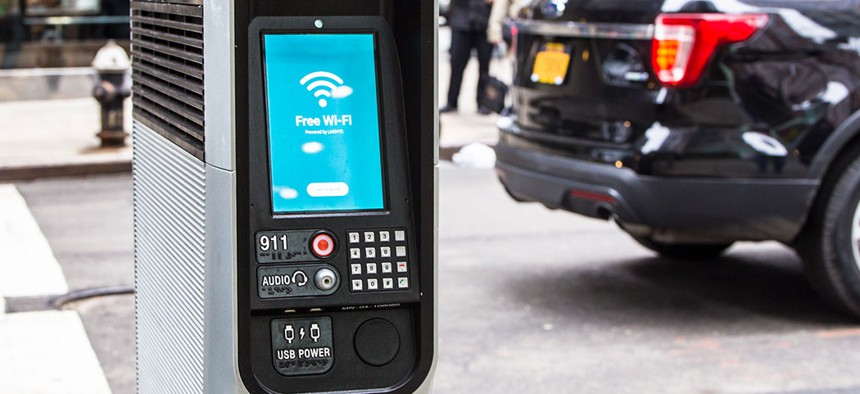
(407, 118)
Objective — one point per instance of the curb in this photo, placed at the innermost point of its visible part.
(22, 173)
(447, 152)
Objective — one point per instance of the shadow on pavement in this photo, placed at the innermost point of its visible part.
(725, 294)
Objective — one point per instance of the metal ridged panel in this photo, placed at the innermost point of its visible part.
(167, 56)
(169, 192)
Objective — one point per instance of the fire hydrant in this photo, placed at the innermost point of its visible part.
(113, 86)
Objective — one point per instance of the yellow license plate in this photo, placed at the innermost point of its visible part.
(551, 64)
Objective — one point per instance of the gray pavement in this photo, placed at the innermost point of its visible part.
(531, 300)
(466, 126)
(34, 337)
(49, 138)
(56, 138)
(87, 222)
(541, 301)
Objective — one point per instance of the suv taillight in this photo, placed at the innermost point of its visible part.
(683, 43)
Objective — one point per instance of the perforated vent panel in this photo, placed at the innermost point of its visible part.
(167, 56)
(169, 190)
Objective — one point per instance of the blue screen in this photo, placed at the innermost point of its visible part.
(324, 140)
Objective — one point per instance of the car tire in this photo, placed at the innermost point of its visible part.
(830, 246)
(694, 252)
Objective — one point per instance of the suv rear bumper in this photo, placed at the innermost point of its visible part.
(729, 209)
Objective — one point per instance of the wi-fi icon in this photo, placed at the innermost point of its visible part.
(325, 84)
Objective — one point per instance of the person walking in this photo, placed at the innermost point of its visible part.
(468, 21)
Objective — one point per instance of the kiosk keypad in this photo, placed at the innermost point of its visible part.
(378, 260)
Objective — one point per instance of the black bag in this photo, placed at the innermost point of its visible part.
(493, 96)
(508, 27)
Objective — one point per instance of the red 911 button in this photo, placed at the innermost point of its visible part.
(322, 245)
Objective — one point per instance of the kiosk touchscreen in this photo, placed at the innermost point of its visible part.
(324, 132)
(333, 296)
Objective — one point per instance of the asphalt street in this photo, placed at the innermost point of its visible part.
(531, 300)
(88, 223)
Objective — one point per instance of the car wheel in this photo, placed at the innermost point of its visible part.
(831, 245)
(697, 252)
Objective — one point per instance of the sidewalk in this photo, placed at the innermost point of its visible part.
(43, 350)
(57, 137)
(465, 126)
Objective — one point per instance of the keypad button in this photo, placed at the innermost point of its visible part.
(372, 284)
(354, 238)
(402, 283)
(402, 266)
(384, 236)
(385, 251)
(355, 269)
(386, 268)
(400, 235)
(371, 268)
(368, 236)
(354, 253)
(387, 283)
(370, 253)
(357, 285)
(400, 251)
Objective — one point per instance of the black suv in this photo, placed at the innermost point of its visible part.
(695, 124)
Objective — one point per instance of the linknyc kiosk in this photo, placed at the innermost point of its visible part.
(285, 181)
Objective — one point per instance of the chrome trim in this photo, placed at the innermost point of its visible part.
(219, 70)
(625, 31)
(221, 327)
